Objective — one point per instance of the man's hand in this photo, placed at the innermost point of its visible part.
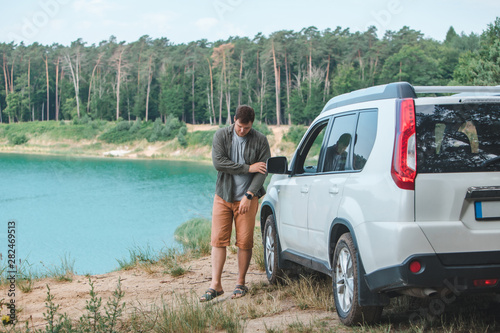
(258, 167)
(244, 205)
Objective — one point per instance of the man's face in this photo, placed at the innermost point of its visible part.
(341, 148)
(242, 129)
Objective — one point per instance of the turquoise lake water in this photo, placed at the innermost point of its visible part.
(93, 211)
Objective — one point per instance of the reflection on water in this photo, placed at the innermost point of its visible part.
(95, 210)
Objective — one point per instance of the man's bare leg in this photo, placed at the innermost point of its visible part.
(244, 257)
(218, 261)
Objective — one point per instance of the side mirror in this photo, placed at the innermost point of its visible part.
(277, 165)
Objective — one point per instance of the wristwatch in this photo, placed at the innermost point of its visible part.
(249, 196)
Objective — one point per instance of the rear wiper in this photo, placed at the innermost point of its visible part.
(490, 161)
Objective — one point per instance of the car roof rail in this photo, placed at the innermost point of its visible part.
(457, 89)
(386, 91)
(403, 90)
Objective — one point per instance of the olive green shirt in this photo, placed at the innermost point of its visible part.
(256, 150)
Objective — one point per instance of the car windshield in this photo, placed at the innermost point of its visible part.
(458, 138)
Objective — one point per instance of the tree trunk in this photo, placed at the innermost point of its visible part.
(12, 75)
(29, 86)
(277, 88)
(139, 68)
(118, 80)
(76, 78)
(262, 93)
(310, 70)
(211, 90)
(257, 72)
(192, 93)
(241, 74)
(61, 77)
(5, 77)
(327, 82)
(287, 74)
(362, 66)
(57, 89)
(220, 102)
(227, 83)
(91, 80)
(150, 77)
(209, 106)
(47, 74)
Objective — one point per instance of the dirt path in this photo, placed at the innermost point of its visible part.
(146, 288)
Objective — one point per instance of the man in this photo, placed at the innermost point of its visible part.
(336, 155)
(239, 154)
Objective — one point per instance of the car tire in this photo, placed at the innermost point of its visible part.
(346, 287)
(271, 251)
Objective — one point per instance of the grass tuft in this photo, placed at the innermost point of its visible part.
(185, 315)
(194, 236)
(138, 255)
(312, 291)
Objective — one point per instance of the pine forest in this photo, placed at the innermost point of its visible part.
(286, 77)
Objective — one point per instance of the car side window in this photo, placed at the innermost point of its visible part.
(338, 150)
(365, 137)
(308, 157)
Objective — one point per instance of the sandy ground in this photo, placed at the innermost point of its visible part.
(144, 289)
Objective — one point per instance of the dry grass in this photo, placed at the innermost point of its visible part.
(304, 300)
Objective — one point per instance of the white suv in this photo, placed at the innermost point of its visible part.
(391, 194)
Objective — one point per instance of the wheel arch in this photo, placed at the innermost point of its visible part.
(337, 229)
(365, 296)
(266, 210)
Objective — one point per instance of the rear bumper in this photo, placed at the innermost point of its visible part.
(449, 270)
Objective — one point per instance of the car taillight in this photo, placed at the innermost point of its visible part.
(485, 282)
(404, 162)
(415, 266)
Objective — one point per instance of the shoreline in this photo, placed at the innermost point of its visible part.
(101, 157)
(137, 150)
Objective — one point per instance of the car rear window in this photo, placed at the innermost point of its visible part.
(458, 138)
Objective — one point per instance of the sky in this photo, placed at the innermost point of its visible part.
(183, 21)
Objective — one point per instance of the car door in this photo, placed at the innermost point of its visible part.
(326, 189)
(294, 190)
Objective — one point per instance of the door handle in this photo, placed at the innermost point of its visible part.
(334, 190)
(304, 189)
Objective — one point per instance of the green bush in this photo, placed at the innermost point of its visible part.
(159, 131)
(168, 131)
(295, 134)
(83, 120)
(120, 133)
(136, 126)
(182, 139)
(123, 125)
(262, 127)
(17, 139)
(200, 138)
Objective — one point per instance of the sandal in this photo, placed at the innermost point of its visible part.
(210, 294)
(239, 291)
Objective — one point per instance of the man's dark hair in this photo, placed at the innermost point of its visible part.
(245, 114)
(344, 139)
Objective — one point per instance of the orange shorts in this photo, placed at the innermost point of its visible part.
(222, 223)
